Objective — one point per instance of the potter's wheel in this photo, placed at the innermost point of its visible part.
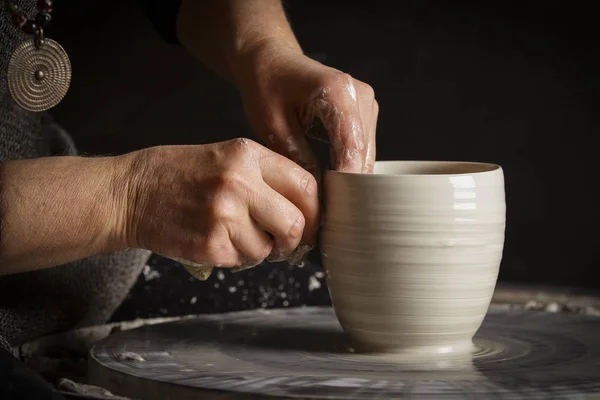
(304, 353)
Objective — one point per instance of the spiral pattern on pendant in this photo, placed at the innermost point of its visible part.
(39, 78)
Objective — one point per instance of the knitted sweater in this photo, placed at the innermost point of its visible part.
(84, 292)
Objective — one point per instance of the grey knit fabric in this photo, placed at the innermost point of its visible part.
(82, 293)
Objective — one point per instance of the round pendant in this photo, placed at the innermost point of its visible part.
(39, 77)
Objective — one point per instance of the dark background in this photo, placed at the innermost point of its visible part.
(510, 83)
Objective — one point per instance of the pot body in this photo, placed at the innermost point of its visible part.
(412, 252)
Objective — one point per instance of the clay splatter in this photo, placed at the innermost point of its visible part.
(150, 273)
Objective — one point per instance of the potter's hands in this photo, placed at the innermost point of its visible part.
(226, 204)
(284, 91)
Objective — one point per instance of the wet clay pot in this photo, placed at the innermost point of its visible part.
(412, 253)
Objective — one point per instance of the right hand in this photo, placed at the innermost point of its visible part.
(227, 204)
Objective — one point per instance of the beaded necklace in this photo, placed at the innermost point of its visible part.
(39, 70)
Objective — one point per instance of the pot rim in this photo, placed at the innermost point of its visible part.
(470, 168)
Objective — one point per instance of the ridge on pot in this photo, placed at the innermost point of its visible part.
(412, 252)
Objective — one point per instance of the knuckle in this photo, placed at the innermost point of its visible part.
(335, 82)
(224, 208)
(344, 81)
(213, 211)
(240, 146)
(341, 79)
(231, 180)
(213, 215)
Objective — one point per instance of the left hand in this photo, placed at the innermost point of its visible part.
(284, 91)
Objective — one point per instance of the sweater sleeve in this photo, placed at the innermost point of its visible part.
(163, 15)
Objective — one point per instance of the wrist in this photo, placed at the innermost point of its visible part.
(125, 189)
(258, 58)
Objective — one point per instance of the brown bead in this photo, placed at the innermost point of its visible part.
(19, 19)
(30, 27)
(45, 5)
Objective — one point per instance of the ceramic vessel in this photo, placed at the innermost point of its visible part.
(412, 252)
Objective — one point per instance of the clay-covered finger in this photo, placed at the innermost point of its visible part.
(338, 108)
(368, 120)
(371, 132)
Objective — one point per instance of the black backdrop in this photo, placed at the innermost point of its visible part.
(514, 84)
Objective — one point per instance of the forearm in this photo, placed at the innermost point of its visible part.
(222, 32)
(57, 210)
